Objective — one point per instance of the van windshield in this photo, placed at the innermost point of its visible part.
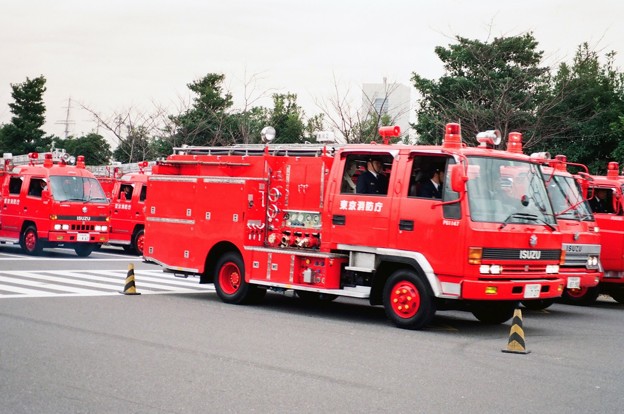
(507, 191)
(70, 188)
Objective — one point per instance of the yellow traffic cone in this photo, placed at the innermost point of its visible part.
(516, 343)
(130, 288)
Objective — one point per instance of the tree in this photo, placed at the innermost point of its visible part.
(287, 118)
(205, 122)
(589, 115)
(93, 147)
(496, 85)
(24, 134)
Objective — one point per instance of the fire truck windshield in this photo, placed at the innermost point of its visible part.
(507, 191)
(69, 188)
(566, 198)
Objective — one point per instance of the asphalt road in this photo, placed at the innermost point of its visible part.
(81, 347)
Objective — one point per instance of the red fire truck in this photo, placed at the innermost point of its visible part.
(127, 194)
(581, 240)
(48, 203)
(607, 202)
(252, 218)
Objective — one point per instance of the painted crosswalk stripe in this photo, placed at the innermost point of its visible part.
(22, 283)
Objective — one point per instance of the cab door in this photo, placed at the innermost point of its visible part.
(361, 219)
(422, 224)
(12, 207)
(122, 215)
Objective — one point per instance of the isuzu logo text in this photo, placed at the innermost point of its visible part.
(83, 218)
(530, 254)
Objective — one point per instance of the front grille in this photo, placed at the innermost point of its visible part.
(514, 254)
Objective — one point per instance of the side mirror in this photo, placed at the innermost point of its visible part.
(458, 178)
(45, 195)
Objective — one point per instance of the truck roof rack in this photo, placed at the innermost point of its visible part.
(294, 150)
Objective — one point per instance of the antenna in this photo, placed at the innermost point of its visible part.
(67, 122)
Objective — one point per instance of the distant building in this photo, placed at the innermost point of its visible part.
(392, 99)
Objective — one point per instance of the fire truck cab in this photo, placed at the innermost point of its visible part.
(606, 199)
(128, 212)
(307, 218)
(48, 203)
(581, 238)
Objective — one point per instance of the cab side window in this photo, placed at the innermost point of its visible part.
(601, 200)
(125, 192)
(428, 176)
(15, 185)
(373, 173)
(143, 193)
(36, 186)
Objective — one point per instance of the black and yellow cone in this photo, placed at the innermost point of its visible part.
(130, 288)
(516, 344)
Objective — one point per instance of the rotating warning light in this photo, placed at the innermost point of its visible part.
(452, 136)
(613, 169)
(514, 142)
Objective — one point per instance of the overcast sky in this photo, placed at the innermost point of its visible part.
(114, 55)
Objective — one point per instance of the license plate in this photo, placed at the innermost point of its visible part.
(574, 283)
(83, 237)
(532, 291)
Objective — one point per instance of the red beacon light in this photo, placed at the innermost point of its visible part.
(560, 163)
(48, 161)
(388, 132)
(452, 136)
(80, 161)
(32, 156)
(489, 139)
(514, 142)
(613, 169)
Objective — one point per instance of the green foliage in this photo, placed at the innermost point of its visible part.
(206, 122)
(24, 134)
(589, 111)
(287, 119)
(136, 147)
(94, 147)
(496, 85)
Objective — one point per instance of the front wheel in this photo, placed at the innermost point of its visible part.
(406, 300)
(581, 296)
(618, 295)
(138, 242)
(84, 250)
(230, 281)
(29, 241)
(492, 312)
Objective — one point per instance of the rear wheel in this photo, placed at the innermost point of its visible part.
(406, 301)
(138, 242)
(493, 312)
(581, 296)
(538, 304)
(29, 241)
(84, 250)
(230, 281)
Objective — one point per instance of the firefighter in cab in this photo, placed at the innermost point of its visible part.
(373, 180)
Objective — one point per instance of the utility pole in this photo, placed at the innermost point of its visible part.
(67, 122)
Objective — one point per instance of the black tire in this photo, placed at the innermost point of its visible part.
(493, 312)
(29, 241)
(314, 297)
(618, 295)
(582, 296)
(84, 250)
(406, 300)
(538, 304)
(138, 242)
(230, 281)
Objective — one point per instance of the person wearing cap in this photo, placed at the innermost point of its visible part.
(432, 188)
(372, 181)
